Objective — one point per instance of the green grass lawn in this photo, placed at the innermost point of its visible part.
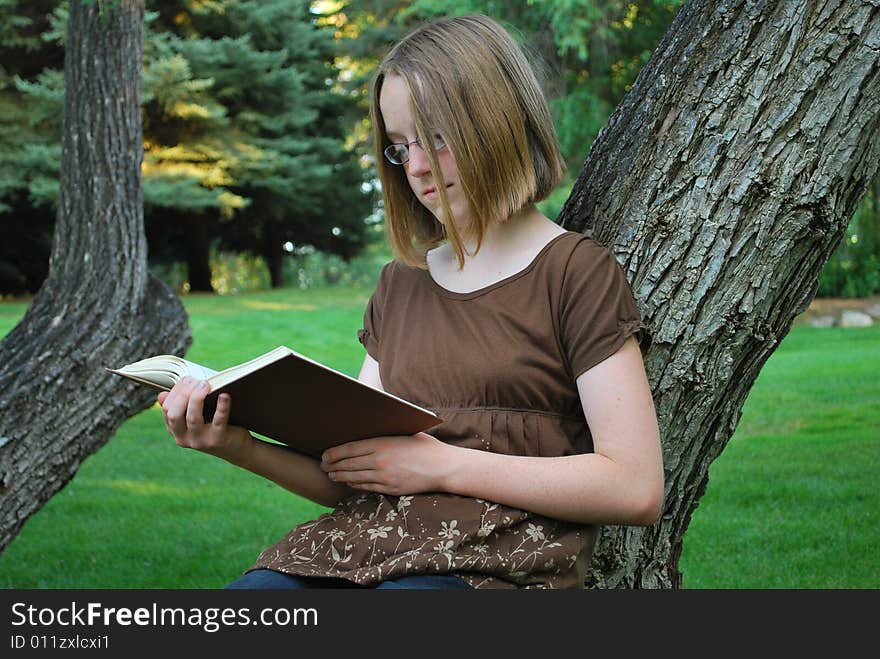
(792, 502)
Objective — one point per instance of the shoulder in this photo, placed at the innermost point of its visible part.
(575, 253)
(395, 275)
(586, 271)
(584, 246)
(395, 269)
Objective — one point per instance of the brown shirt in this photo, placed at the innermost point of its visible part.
(499, 365)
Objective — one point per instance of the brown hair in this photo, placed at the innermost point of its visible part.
(470, 80)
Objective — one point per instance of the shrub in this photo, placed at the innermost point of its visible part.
(854, 268)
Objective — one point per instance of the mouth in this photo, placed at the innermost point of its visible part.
(431, 192)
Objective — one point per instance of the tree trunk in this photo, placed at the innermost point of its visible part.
(98, 306)
(723, 182)
(274, 255)
(198, 253)
(276, 268)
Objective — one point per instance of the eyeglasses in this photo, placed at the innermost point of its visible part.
(398, 154)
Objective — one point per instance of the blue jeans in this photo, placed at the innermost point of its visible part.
(270, 579)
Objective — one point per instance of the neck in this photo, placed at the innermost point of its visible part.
(501, 236)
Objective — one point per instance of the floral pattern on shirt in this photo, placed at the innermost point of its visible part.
(374, 537)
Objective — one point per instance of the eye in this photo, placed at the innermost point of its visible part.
(397, 154)
(439, 141)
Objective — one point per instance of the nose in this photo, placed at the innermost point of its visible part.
(418, 163)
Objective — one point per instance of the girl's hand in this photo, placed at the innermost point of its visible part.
(182, 408)
(398, 465)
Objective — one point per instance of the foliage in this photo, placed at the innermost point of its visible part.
(304, 267)
(309, 268)
(238, 272)
(31, 106)
(31, 102)
(231, 273)
(854, 268)
(254, 113)
(244, 107)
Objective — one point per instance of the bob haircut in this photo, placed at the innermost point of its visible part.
(468, 79)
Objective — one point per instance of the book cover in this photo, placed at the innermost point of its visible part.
(295, 400)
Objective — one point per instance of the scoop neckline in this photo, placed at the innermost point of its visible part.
(468, 295)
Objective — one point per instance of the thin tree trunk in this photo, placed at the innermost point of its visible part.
(276, 268)
(98, 305)
(274, 255)
(198, 253)
(723, 183)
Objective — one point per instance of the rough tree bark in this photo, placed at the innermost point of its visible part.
(723, 183)
(98, 306)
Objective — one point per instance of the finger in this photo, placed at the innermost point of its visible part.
(194, 416)
(352, 477)
(349, 450)
(177, 399)
(162, 396)
(221, 414)
(184, 387)
(174, 410)
(349, 464)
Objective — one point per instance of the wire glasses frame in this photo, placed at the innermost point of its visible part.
(398, 154)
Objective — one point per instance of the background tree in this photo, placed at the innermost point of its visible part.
(31, 103)
(248, 98)
(308, 188)
(245, 135)
(188, 144)
(98, 305)
(203, 170)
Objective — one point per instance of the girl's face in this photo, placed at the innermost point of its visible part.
(400, 129)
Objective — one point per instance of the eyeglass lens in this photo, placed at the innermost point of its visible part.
(398, 154)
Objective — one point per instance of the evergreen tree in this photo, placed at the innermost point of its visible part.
(260, 101)
(31, 101)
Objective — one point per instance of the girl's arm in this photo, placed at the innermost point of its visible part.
(620, 483)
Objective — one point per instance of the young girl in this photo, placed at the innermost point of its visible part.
(520, 335)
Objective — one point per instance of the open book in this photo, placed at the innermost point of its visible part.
(291, 399)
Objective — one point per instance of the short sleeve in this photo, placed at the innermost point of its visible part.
(598, 311)
(372, 329)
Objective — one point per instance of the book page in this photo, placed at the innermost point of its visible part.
(164, 371)
(197, 370)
